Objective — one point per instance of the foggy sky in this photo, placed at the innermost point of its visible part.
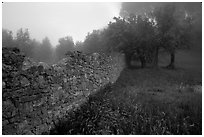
(141, 7)
(56, 20)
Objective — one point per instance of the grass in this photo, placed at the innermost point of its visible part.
(142, 101)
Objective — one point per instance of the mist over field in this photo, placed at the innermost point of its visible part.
(126, 68)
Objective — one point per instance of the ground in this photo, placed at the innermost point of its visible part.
(144, 101)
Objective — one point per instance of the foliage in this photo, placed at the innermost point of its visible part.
(176, 24)
(7, 38)
(30, 47)
(79, 46)
(140, 36)
(23, 37)
(65, 44)
(173, 27)
(95, 42)
(133, 35)
(45, 51)
(23, 41)
(192, 9)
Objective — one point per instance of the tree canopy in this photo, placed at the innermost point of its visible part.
(65, 44)
(141, 32)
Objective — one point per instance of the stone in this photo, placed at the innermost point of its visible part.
(38, 102)
(21, 126)
(41, 82)
(9, 129)
(28, 63)
(24, 109)
(11, 56)
(3, 84)
(37, 121)
(44, 65)
(28, 107)
(28, 132)
(8, 109)
(14, 119)
(44, 93)
(43, 128)
(25, 82)
(5, 122)
(30, 98)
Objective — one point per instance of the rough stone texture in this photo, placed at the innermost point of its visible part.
(36, 96)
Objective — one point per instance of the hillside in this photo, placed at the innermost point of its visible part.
(144, 101)
(94, 94)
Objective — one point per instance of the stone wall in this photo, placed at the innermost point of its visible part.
(36, 96)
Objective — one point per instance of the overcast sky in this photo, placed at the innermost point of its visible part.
(56, 20)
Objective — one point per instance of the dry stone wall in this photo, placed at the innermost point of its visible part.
(35, 96)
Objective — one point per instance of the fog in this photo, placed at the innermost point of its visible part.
(55, 28)
(102, 68)
(56, 20)
(194, 9)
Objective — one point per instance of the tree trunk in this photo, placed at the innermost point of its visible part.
(143, 62)
(141, 58)
(128, 57)
(156, 57)
(172, 63)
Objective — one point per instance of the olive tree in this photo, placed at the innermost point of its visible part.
(133, 35)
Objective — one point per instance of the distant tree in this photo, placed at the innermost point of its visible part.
(79, 46)
(94, 42)
(7, 38)
(23, 42)
(178, 25)
(194, 12)
(36, 48)
(145, 40)
(45, 51)
(23, 36)
(133, 35)
(173, 29)
(65, 44)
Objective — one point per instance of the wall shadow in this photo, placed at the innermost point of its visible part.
(84, 120)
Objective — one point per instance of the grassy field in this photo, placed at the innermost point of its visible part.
(144, 101)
